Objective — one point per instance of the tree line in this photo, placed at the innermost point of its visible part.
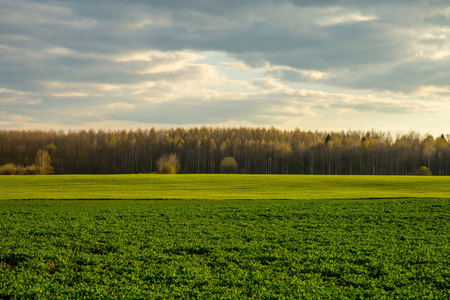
(201, 150)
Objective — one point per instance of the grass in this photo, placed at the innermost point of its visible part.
(188, 187)
(367, 245)
(311, 249)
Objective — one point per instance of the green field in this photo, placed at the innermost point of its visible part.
(258, 187)
(313, 248)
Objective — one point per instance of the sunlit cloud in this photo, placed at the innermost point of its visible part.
(344, 19)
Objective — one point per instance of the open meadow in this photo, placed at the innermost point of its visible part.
(327, 237)
(221, 187)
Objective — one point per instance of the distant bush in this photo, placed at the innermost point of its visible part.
(8, 169)
(228, 165)
(29, 170)
(171, 159)
(42, 166)
(167, 168)
(11, 169)
(424, 171)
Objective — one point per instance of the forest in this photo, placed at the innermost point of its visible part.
(202, 149)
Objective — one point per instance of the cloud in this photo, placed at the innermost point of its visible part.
(274, 106)
(7, 120)
(211, 62)
(440, 19)
(405, 77)
(268, 84)
(344, 19)
(295, 75)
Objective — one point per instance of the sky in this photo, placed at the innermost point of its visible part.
(314, 65)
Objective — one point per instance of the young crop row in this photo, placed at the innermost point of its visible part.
(225, 249)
